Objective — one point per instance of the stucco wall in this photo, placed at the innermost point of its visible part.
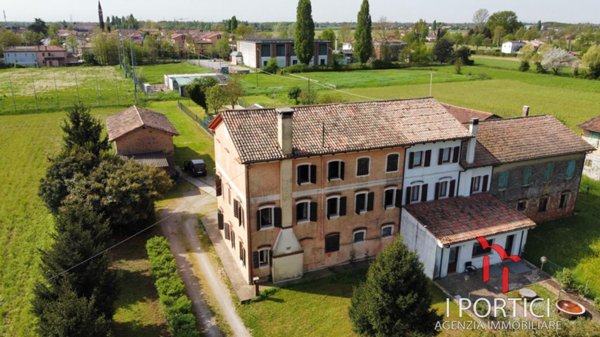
(592, 160)
(464, 188)
(419, 240)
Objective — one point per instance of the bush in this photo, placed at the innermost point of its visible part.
(539, 68)
(567, 280)
(464, 54)
(271, 66)
(171, 290)
(524, 66)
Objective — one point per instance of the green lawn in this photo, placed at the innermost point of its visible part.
(316, 308)
(154, 73)
(573, 242)
(58, 88)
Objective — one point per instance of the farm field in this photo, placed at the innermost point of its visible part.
(55, 89)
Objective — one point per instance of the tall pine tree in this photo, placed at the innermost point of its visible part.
(81, 233)
(394, 300)
(363, 42)
(304, 37)
(83, 130)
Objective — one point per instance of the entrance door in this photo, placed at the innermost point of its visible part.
(453, 260)
(508, 247)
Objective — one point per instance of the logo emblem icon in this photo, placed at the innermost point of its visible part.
(503, 256)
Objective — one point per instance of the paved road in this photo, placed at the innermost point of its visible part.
(180, 229)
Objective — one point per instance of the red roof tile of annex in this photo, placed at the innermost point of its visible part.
(460, 219)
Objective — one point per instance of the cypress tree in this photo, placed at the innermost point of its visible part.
(304, 36)
(83, 130)
(394, 300)
(363, 42)
(81, 233)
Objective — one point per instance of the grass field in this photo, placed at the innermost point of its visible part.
(573, 242)
(317, 308)
(55, 89)
(153, 74)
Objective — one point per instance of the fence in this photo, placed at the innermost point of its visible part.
(203, 123)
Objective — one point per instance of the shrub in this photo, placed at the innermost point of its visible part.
(524, 66)
(294, 94)
(539, 68)
(171, 290)
(567, 280)
(271, 66)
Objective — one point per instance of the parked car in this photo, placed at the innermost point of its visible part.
(195, 167)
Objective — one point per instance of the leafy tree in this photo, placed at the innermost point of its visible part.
(244, 31)
(480, 18)
(221, 48)
(215, 99)
(232, 24)
(443, 51)
(31, 38)
(38, 26)
(394, 300)
(421, 30)
(464, 54)
(556, 58)
(591, 59)
(55, 186)
(233, 91)
(198, 88)
(499, 33)
(345, 33)
(81, 233)
(458, 63)
(304, 36)
(272, 67)
(83, 131)
(294, 94)
(505, 19)
(64, 313)
(121, 191)
(363, 42)
(106, 48)
(8, 39)
(151, 48)
(329, 35)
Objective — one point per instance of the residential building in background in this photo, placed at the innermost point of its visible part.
(512, 47)
(256, 53)
(591, 134)
(36, 56)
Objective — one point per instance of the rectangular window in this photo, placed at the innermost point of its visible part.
(322, 48)
(445, 155)
(362, 167)
(570, 169)
(415, 193)
(280, 50)
(332, 243)
(359, 236)
(543, 206)
(416, 159)
(503, 180)
(522, 205)
(443, 189)
(306, 174)
(392, 163)
(527, 173)
(390, 198)
(232, 238)
(336, 206)
(265, 50)
(266, 219)
(360, 203)
(226, 231)
(303, 211)
(475, 185)
(479, 251)
(387, 231)
(335, 170)
(264, 257)
(548, 172)
(564, 200)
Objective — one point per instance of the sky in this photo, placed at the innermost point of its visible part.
(285, 10)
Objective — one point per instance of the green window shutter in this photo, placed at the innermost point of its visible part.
(549, 171)
(527, 172)
(503, 180)
(570, 169)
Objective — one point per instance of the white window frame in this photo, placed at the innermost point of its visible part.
(385, 227)
(417, 188)
(363, 231)
(309, 177)
(267, 254)
(366, 203)
(446, 190)
(397, 164)
(369, 167)
(272, 208)
(479, 180)
(303, 221)
(415, 157)
(394, 197)
(337, 215)
(339, 170)
(444, 149)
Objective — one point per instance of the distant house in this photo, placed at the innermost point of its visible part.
(591, 134)
(143, 135)
(178, 82)
(256, 53)
(36, 56)
(389, 49)
(512, 47)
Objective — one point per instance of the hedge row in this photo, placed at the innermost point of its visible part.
(171, 290)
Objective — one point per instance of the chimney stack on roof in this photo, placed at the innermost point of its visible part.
(473, 128)
(284, 129)
(525, 110)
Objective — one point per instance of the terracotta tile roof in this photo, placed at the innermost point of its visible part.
(464, 115)
(152, 159)
(526, 138)
(483, 157)
(462, 219)
(592, 125)
(134, 118)
(333, 128)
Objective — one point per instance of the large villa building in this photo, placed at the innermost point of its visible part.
(306, 188)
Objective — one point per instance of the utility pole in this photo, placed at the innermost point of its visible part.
(133, 75)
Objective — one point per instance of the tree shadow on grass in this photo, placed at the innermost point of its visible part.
(138, 329)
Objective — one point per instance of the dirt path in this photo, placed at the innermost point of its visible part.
(180, 229)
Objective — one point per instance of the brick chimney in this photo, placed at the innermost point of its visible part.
(473, 128)
(525, 110)
(284, 129)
